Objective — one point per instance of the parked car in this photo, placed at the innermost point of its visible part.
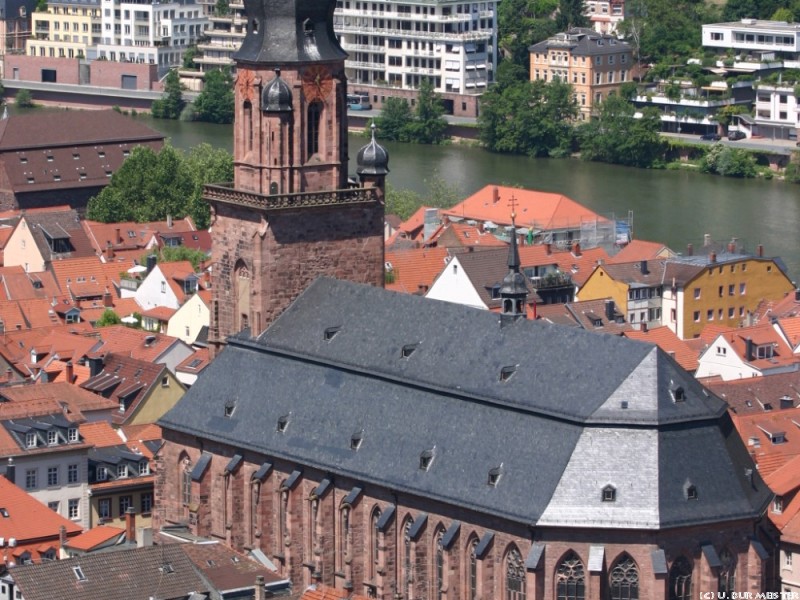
(736, 135)
(711, 137)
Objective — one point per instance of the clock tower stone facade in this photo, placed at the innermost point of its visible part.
(291, 213)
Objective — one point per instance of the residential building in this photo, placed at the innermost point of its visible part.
(189, 320)
(150, 32)
(605, 15)
(142, 390)
(67, 29)
(168, 284)
(155, 348)
(15, 28)
(188, 371)
(57, 158)
(777, 111)
(393, 47)
(595, 64)
(542, 217)
(764, 40)
(670, 343)
(222, 38)
(302, 416)
(31, 532)
(759, 395)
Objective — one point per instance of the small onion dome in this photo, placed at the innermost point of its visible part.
(373, 159)
(276, 97)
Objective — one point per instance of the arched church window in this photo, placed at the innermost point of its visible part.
(374, 543)
(472, 569)
(623, 581)
(680, 579)
(438, 564)
(314, 119)
(571, 579)
(727, 572)
(408, 572)
(515, 576)
(186, 480)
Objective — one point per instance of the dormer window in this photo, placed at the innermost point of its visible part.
(72, 434)
(330, 333)
(230, 408)
(122, 471)
(30, 440)
(408, 350)
(144, 468)
(283, 423)
(494, 476)
(691, 492)
(102, 473)
(426, 459)
(356, 439)
(777, 504)
(507, 373)
(765, 351)
(678, 394)
(609, 494)
(79, 574)
(52, 437)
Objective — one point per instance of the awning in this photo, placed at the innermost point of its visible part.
(386, 518)
(450, 535)
(417, 526)
(659, 561)
(534, 557)
(234, 462)
(351, 498)
(262, 472)
(201, 466)
(596, 558)
(711, 556)
(484, 544)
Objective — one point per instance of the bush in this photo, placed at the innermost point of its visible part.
(24, 99)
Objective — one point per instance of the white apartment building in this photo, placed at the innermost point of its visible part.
(753, 36)
(150, 32)
(68, 29)
(222, 38)
(397, 44)
(605, 14)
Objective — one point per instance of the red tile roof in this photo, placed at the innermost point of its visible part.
(670, 343)
(641, 250)
(790, 326)
(78, 401)
(755, 430)
(323, 592)
(100, 434)
(759, 394)
(459, 235)
(415, 267)
(97, 536)
(135, 343)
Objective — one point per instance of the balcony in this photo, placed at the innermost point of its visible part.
(476, 36)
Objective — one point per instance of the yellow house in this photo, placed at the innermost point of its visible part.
(689, 292)
(68, 29)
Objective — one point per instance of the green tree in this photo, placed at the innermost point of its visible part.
(783, 14)
(439, 194)
(215, 103)
(108, 318)
(172, 103)
(222, 8)
(571, 14)
(394, 120)
(729, 162)
(206, 164)
(188, 57)
(428, 126)
(725, 114)
(24, 99)
(616, 136)
(170, 254)
(792, 173)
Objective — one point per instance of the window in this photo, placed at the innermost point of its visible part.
(696, 293)
(72, 434)
(312, 139)
(731, 312)
(472, 570)
(408, 564)
(742, 289)
(680, 579)
(52, 437)
(696, 316)
(104, 508)
(30, 479)
(777, 504)
(344, 529)
(163, 287)
(30, 440)
(125, 502)
(787, 559)
(144, 468)
(623, 581)
(710, 314)
(53, 506)
(73, 508)
(609, 494)
(52, 476)
(515, 576)
(438, 565)
(726, 581)
(102, 473)
(570, 579)
(147, 502)
(122, 471)
(165, 382)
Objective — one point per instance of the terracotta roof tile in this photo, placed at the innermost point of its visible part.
(770, 453)
(459, 235)
(100, 434)
(226, 568)
(161, 313)
(119, 339)
(788, 306)
(641, 250)
(79, 401)
(415, 267)
(670, 343)
(759, 394)
(790, 326)
(94, 537)
(323, 592)
(142, 433)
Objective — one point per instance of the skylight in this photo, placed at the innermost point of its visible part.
(426, 459)
(356, 439)
(330, 333)
(283, 423)
(507, 373)
(408, 350)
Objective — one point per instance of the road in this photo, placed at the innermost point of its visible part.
(758, 144)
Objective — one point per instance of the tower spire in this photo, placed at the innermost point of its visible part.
(514, 291)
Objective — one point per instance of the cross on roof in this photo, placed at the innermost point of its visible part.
(513, 204)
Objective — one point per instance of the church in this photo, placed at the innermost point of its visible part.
(410, 449)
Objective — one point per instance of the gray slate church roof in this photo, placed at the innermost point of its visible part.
(560, 414)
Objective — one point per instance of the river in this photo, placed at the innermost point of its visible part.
(672, 207)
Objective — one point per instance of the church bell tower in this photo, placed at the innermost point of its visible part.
(291, 213)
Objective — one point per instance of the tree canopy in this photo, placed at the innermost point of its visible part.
(150, 186)
(425, 125)
(215, 103)
(171, 105)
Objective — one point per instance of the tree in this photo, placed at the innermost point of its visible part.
(404, 203)
(108, 318)
(729, 162)
(783, 14)
(170, 254)
(571, 14)
(206, 164)
(188, 57)
(394, 120)
(24, 99)
(215, 102)
(172, 103)
(222, 8)
(428, 126)
(616, 136)
(725, 114)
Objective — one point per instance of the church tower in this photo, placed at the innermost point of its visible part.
(291, 214)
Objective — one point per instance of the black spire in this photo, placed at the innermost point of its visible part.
(514, 290)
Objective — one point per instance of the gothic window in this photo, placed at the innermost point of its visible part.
(374, 543)
(242, 291)
(408, 574)
(623, 581)
(438, 564)
(680, 579)
(472, 569)
(283, 519)
(248, 123)
(314, 118)
(727, 572)
(313, 522)
(186, 480)
(570, 579)
(344, 538)
(515, 576)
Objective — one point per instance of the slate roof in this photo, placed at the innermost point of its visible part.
(759, 394)
(59, 225)
(227, 569)
(419, 375)
(137, 574)
(582, 42)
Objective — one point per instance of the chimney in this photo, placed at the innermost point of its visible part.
(610, 312)
(130, 525)
(732, 246)
(576, 249)
(689, 249)
(69, 371)
(108, 301)
(11, 471)
(169, 221)
(151, 262)
(644, 327)
(495, 195)
(706, 240)
(109, 252)
(797, 295)
(119, 236)
(712, 258)
(548, 248)
(260, 591)
(62, 537)
(643, 268)
(748, 349)
(760, 250)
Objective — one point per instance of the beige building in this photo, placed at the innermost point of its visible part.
(68, 29)
(595, 64)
